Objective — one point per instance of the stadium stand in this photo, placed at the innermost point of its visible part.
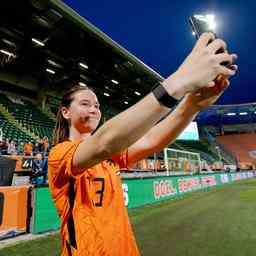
(242, 146)
(29, 117)
(12, 132)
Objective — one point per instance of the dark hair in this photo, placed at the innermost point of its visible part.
(61, 131)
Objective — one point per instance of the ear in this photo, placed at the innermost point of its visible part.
(65, 112)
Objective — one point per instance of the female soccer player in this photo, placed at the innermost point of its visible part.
(84, 164)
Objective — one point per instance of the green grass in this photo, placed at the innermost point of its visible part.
(220, 222)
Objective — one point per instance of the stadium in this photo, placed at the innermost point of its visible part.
(195, 196)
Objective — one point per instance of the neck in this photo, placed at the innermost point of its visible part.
(74, 134)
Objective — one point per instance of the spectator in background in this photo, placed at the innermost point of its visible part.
(39, 168)
(28, 149)
(11, 150)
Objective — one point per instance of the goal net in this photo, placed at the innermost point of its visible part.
(179, 161)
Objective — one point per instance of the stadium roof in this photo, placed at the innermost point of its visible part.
(45, 45)
(228, 114)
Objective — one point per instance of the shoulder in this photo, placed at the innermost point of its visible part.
(63, 150)
(60, 158)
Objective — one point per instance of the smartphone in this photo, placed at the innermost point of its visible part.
(201, 24)
(204, 23)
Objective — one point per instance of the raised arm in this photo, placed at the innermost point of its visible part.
(166, 131)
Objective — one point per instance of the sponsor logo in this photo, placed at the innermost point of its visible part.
(186, 185)
(163, 189)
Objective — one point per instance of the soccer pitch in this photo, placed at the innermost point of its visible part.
(220, 221)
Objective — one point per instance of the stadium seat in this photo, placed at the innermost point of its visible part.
(29, 116)
(241, 145)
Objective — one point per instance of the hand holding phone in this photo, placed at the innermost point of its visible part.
(203, 67)
(205, 23)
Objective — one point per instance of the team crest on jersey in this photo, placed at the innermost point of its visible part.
(114, 165)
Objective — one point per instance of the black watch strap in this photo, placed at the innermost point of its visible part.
(163, 97)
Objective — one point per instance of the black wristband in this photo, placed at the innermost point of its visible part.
(163, 97)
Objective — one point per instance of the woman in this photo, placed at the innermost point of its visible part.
(84, 164)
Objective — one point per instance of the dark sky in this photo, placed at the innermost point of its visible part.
(157, 32)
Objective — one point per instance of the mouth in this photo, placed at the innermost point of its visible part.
(91, 119)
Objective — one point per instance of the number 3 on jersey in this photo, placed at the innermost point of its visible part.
(99, 183)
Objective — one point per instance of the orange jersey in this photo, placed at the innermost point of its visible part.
(101, 221)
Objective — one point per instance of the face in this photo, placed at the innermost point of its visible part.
(84, 113)
(39, 156)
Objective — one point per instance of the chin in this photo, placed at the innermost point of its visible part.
(88, 126)
(88, 129)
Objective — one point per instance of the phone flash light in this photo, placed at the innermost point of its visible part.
(209, 19)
